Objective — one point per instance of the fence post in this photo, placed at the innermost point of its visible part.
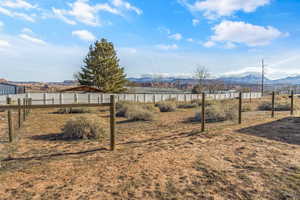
(60, 98)
(145, 98)
(240, 108)
(102, 98)
(292, 102)
(19, 113)
(24, 109)
(273, 105)
(52, 100)
(184, 97)
(89, 98)
(44, 98)
(98, 99)
(203, 113)
(30, 103)
(154, 99)
(75, 98)
(10, 123)
(112, 122)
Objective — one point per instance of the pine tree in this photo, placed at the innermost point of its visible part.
(101, 68)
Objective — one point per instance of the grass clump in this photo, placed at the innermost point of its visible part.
(218, 112)
(166, 107)
(72, 111)
(82, 128)
(279, 106)
(135, 112)
(248, 107)
(188, 105)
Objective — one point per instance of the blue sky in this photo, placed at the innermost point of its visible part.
(47, 40)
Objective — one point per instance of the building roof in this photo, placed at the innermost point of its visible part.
(82, 88)
(8, 84)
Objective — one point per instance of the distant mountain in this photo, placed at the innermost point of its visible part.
(249, 78)
(294, 80)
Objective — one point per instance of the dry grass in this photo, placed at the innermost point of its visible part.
(82, 128)
(167, 158)
(218, 112)
(135, 112)
(166, 107)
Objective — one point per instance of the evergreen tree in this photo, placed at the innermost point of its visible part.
(101, 68)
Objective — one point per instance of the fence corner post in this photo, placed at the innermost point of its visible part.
(292, 102)
(273, 105)
(10, 123)
(19, 113)
(203, 113)
(240, 107)
(112, 122)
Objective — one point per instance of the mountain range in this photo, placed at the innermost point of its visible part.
(236, 79)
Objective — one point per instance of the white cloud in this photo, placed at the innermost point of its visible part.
(1, 24)
(218, 8)
(82, 11)
(167, 47)
(27, 30)
(209, 44)
(17, 4)
(229, 45)
(190, 40)
(176, 36)
(195, 22)
(244, 33)
(84, 35)
(4, 44)
(127, 6)
(32, 39)
(60, 15)
(13, 14)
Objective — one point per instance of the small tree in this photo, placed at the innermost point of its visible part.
(201, 74)
(101, 68)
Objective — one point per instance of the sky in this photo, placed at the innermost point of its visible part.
(47, 40)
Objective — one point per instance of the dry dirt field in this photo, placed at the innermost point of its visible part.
(166, 159)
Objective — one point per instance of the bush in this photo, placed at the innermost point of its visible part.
(166, 107)
(72, 110)
(135, 112)
(82, 128)
(248, 107)
(218, 112)
(189, 105)
(279, 106)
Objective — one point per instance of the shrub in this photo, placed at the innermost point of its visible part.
(166, 107)
(72, 110)
(137, 113)
(82, 128)
(248, 107)
(218, 112)
(279, 106)
(189, 105)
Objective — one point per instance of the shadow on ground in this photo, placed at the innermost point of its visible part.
(284, 130)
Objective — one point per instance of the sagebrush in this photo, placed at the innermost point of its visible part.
(82, 128)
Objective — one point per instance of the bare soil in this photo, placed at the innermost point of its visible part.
(166, 159)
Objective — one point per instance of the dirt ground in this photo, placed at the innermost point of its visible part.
(166, 159)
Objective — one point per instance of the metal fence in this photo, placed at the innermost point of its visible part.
(68, 98)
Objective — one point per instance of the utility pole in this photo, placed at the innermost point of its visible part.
(262, 77)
